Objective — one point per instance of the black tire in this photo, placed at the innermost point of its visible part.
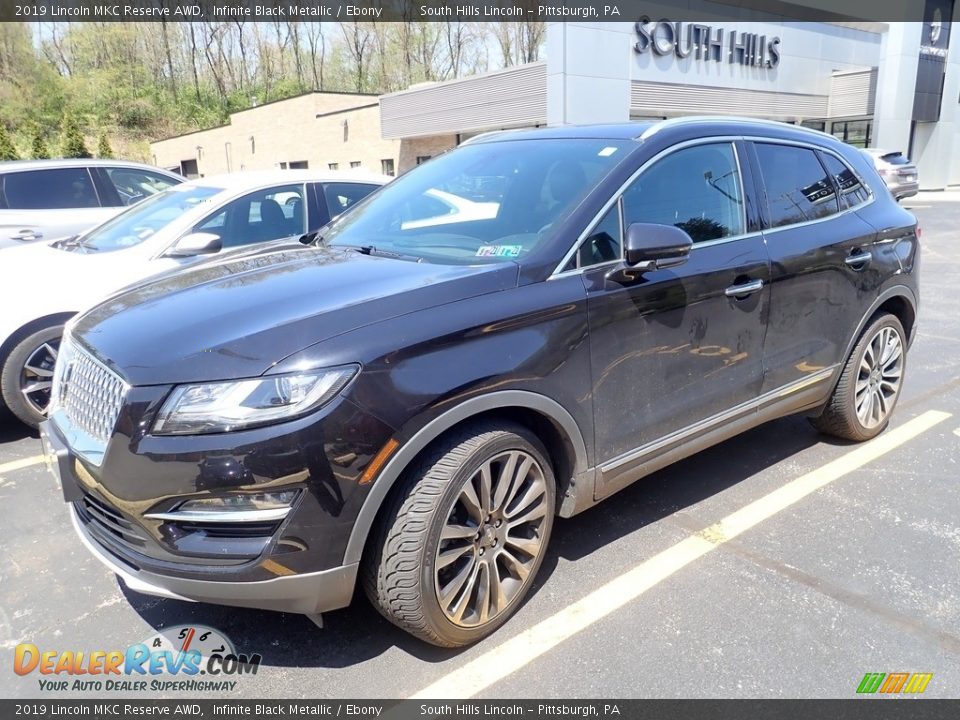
(11, 374)
(839, 418)
(400, 569)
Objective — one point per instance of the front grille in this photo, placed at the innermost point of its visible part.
(89, 393)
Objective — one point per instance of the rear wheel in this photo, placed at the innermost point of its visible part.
(462, 541)
(26, 378)
(869, 385)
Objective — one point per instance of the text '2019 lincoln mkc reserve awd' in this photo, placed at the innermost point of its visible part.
(412, 398)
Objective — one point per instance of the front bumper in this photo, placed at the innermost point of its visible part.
(297, 565)
(307, 594)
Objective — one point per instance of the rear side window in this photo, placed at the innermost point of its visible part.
(852, 191)
(798, 189)
(56, 188)
(133, 184)
(696, 189)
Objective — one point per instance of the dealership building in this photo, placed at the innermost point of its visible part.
(894, 86)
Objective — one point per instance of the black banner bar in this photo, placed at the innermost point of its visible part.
(872, 708)
(457, 10)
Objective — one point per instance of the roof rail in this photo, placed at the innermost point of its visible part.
(487, 134)
(737, 120)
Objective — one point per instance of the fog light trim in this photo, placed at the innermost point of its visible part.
(222, 516)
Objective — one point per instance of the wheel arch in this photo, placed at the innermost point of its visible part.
(29, 328)
(899, 300)
(549, 420)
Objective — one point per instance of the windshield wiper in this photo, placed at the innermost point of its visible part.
(373, 250)
(74, 241)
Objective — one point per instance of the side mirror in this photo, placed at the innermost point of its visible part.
(651, 247)
(198, 243)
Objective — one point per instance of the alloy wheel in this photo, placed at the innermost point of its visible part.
(879, 377)
(36, 376)
(492, 538)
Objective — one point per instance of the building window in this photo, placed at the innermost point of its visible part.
(298, 165)
(283, 166)
(814, 125)
(386, 167)
(354, 163)
(853, 132)
(421, 159)
(333, 166)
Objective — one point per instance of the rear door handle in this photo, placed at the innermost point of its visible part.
(859, 260)
(744, 289)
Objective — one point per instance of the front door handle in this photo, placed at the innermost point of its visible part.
(744, 289)
(27, 234)
(859, 260)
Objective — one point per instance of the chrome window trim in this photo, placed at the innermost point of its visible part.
(559, 272)
(618, 195)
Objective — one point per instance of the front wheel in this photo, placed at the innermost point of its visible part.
(26, 378)
(462, 542)
(869, 386)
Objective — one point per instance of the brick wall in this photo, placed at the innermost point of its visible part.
(348, 130)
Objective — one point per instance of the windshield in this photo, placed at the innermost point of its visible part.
(480, 203)
(135, 225)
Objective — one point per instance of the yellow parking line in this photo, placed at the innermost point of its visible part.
(518, 651)
(20, 464)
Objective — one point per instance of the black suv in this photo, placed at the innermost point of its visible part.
(510, 332)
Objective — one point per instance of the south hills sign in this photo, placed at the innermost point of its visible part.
(706, 43)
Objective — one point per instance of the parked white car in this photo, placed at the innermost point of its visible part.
(52, 199)
(437, 207)
(169, 230)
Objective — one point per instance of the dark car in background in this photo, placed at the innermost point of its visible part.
(54, 199)
(410, 405)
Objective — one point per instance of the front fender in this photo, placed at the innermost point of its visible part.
(437, 426)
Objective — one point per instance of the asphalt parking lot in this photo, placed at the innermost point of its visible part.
(777, 564)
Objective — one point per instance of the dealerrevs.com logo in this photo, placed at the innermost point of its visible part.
(181, 658)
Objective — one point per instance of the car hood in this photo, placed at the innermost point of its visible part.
(75, 275)
(239, 316)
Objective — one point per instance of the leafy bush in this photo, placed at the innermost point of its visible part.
(103, 147)
(7, 150)
(72, 144)
(38, 145)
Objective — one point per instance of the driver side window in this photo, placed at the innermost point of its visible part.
(697, 189)
(261, 216)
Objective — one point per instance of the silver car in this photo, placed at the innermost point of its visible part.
(899, 174)
(53, 199)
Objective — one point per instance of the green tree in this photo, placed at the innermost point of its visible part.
(103, 147)
(7, 150)
(38, 146)
(72, 144)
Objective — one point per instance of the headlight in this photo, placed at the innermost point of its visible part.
(225, 406)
